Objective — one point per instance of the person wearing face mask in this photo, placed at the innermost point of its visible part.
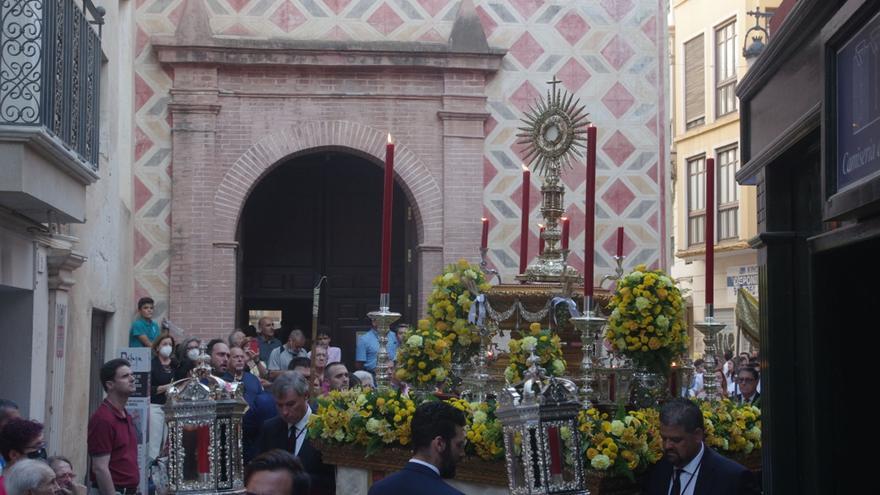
(187, 353)
(162, 370)
(20, 439)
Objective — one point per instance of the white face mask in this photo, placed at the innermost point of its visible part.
(192, 354)
(165, 351)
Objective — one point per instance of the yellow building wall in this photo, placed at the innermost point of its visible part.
(690, 18)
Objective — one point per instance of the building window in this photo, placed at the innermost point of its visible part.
(725, 68)
(696, 198)
(694, 83)
(728, 194)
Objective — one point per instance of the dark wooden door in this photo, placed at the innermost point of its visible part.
(321, 215)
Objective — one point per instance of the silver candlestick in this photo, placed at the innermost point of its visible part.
(590, 326)
(382, 321)
(484, 265)
(710, 328)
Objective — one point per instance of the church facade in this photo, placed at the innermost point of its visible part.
(260, 131)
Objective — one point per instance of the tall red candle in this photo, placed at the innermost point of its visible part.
(619, 242)
(540, 240)
(484, 241)
(524, 228)
(590, 213)
(565, 232)
(710, 229)
(387, 200)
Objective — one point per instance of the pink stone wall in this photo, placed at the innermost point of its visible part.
(610, 53)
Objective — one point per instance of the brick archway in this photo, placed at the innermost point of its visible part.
(414, 177)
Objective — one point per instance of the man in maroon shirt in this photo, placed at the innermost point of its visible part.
(112, 439)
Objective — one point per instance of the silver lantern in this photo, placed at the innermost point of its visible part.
(203, 415)
(541, 440)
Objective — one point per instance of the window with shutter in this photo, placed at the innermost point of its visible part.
(696, 200)
(694, 83)
(725, 68)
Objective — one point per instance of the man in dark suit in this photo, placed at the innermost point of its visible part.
(747, 378)
(438, 441)
(288, 430)
(276, 472)
(688, 467)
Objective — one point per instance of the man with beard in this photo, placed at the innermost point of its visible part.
(438, 441)
(219, 353)
(688, 466)
(112, 439)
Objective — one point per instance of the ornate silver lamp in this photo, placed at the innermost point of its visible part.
(710, 328)
(541, 440)
(203, 414)
(382, 321)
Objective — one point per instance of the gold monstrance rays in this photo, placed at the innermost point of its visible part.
(554, 131)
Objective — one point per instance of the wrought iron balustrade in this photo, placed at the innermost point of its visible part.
(50, 70)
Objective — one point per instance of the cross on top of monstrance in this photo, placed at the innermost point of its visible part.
(554, 130)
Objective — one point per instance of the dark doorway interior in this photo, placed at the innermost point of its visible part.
(321, 214)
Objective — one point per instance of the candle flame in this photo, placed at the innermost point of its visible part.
(484, 219)
(525, 169)
(390, 141)
(541, 225)
(564, 218)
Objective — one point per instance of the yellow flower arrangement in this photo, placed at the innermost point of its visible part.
(483, 430)
(369, 418)
(546, 346)
(624, 446)
(449, 304)
(647, 319)
(424, 356)
(732, 429)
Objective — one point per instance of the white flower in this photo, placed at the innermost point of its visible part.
(601, 462)
(617, 427)
(470, 274)
(558, 367)
(449, 277)
(374, 425)
(662, 322)
(339, 435)
(480, 417)
(642, 303)
(440, 374)
(529, 343)
(414, 341)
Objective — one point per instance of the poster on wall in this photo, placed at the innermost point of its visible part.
(742, 276)
(139, 403)
(858, 106)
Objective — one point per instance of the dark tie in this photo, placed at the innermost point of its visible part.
(676, 482)
(291, 440)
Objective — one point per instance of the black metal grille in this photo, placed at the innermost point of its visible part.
(50, 70)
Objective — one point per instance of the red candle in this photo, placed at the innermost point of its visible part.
(590, 212)
(524, 228)
(710, 229)
(387, 201)
(540, 240)
(484, 242)
(565, 232)
(620, 242)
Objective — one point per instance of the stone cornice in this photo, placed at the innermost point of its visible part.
(61, 262)
(53, 149)
(299, 53)
(453, 115)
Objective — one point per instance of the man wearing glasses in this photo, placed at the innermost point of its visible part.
(747, 378)
(21, 439)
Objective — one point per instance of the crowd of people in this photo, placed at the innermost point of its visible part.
(280, 382)
(736, 379)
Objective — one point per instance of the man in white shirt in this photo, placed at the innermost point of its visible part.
(280, 357)
(688, 466)
(288, 430)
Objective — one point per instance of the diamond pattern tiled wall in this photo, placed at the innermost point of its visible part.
(610, 52)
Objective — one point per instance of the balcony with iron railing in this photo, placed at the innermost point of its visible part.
(50, 74)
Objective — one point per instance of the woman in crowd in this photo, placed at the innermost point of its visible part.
(20, 439)
(30, 477)
(162, 370)
(187, 352)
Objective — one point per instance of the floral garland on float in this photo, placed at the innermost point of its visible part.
(732, 429)
(424, 356)
(623, 446)
(546, 346)
(647, 319)
(483, 431)
(373, 419)
(450, 304)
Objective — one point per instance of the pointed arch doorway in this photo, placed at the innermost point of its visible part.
(319, 214)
